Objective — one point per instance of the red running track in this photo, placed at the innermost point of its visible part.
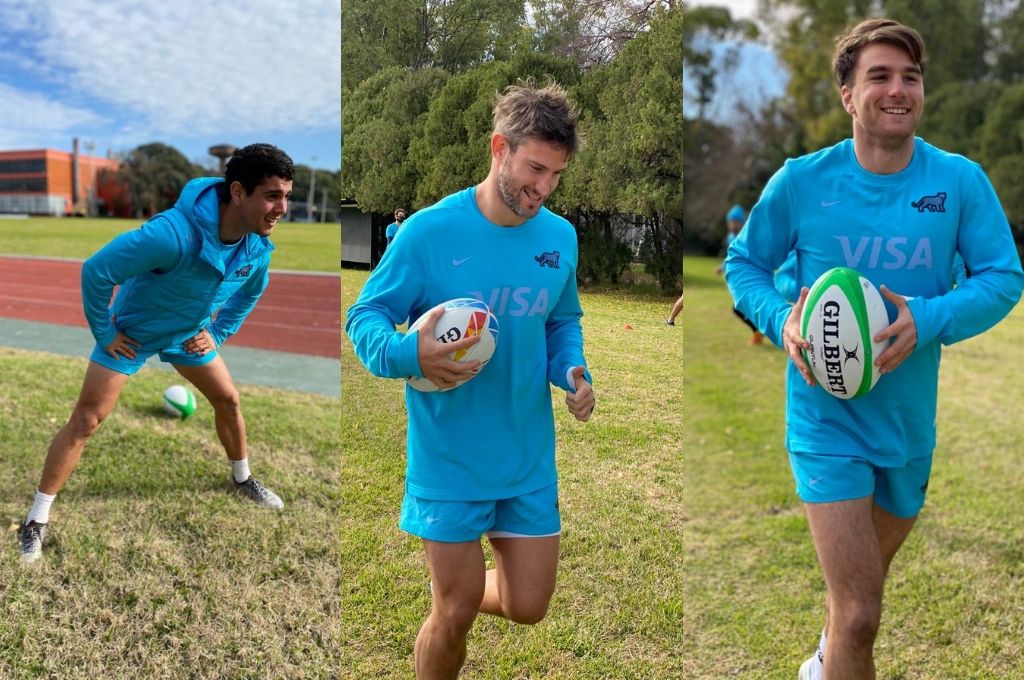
(298, 313)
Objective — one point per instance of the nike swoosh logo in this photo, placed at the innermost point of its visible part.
(456, 263)
(829, 204)
(813, 481)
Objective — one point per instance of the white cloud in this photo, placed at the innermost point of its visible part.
(25, 117)
(184, 67)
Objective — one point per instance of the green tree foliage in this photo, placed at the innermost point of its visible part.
(633, 158)
(382, 117)
(452, 35)
(154, 175)
(955, 113)
(326, 187)
(1002, 150)
(453, 150)
(591, 32)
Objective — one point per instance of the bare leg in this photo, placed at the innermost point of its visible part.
(891, 531)
(215, 383)
(850, 557)
(100, 390)
(676, 309)
(457, 575)
(521, 585)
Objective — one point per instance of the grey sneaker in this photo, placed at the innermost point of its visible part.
(670, 322)
(31, 535)
(259, 493)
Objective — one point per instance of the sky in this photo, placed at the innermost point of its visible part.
(189, 73)
(758, 77)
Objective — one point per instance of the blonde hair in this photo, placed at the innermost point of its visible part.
(523, 111)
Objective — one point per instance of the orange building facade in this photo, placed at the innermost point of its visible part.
(50, 182)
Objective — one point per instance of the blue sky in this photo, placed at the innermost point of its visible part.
(190, 73)
(758, 77)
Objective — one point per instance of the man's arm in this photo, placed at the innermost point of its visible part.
(234, 311)
(761, 248)
(153, 246)
(394, 289)
(990, 254)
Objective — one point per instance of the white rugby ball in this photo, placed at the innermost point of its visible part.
(843, 313)
(179, 401)
(462, 317)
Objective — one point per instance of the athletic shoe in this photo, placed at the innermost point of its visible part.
(259, 493)
(813, 668)
(31, 535)
(670, 322)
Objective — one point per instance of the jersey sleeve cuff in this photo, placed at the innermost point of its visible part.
(407, 360)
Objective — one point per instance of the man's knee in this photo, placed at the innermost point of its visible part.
(456, 616)
(858, 620)
(526, 611)
(226, 400)
(85, 420)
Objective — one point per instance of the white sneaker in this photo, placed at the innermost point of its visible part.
(813, 668)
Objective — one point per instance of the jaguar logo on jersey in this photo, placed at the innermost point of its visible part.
(548, 259)
(830, 346)
(244, 271)
(936, 203)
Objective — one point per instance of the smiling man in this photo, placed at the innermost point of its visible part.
(898, 210)
(481, 458)
(208, 254)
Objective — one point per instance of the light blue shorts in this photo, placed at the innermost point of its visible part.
(900, 491)
(170, 355)
(530, 515)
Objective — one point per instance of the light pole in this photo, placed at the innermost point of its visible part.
(312, 189)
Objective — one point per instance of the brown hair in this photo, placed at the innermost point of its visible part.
(524, 111)
(870, 32)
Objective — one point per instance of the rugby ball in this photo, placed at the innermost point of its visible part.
(843, 313)
(462, 318)
(179, 401)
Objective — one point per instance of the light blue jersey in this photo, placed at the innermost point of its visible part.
(901, 230)
(493, 437)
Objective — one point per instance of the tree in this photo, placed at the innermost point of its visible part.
(154, 175)
(632, 162)
(453, 35)
(591, 32)
(382, 117)
(452, 151)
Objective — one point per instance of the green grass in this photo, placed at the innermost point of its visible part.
(618, 608)
(752, 590)
(300, 246)
(154, 567)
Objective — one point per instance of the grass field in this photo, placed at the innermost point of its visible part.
(618, 609)
(300, 246)
(153, 567)
(752, 592)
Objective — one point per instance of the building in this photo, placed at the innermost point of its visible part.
(51, 182)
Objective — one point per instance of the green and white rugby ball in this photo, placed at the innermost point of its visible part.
(179, 401)
(843, 313)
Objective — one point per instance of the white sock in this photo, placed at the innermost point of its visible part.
(40, 512)
(240, 470)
